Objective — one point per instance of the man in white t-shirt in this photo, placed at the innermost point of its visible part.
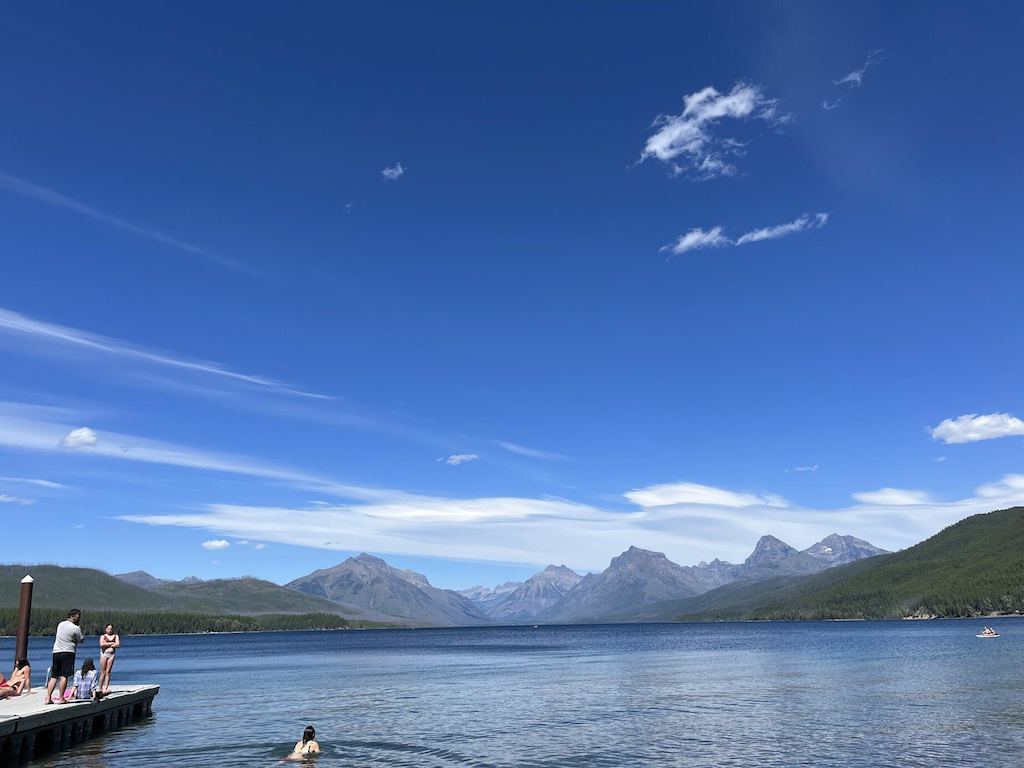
(65, 643)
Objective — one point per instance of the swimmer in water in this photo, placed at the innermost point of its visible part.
(308, 745)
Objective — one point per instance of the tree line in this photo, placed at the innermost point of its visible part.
(45, 620)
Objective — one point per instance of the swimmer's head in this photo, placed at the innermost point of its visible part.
(309, 734)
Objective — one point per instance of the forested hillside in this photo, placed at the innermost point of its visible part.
(974, 567)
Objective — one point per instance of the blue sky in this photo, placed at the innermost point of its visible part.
(479, 287)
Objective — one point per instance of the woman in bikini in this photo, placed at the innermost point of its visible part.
(21, 677)
(109, 643)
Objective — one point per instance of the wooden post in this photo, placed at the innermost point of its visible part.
(24, 619)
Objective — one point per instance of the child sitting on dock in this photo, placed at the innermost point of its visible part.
(86, 685)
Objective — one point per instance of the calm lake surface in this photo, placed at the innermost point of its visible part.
(784, 694)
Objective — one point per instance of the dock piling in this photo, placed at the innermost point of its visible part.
(24, 618)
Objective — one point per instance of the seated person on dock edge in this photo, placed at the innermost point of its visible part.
(86, 685)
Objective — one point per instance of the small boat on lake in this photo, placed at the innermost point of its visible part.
(987, 632)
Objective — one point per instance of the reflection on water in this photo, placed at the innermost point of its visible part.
(810, 694)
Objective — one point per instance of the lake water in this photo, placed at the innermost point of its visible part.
(783, 694)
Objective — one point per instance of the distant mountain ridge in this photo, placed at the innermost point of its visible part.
(93, 590)
(638, 579)
(534, 596)
(370, 583)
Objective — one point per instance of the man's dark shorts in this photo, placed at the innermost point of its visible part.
(63, 665)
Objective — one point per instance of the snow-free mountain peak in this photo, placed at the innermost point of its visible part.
(839, 550)
(369, 582)
(769, 550)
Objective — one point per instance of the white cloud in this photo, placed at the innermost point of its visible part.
(22, 428)
(42, 194)
(698, 238)
(215, 544)
(854, 79)
(807, 221)
(533, 453)
(393, 172)
(804, 468)
(687, 521)
(41, 331)
(687, 142)
(694, 493)
(939, 459)
(459, 458)
(971, 428)
(1007, 488)
(82, 437)
(6, 499)
(34, 481)
(893, 497)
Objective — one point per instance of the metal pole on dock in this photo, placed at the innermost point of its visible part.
(24, 619)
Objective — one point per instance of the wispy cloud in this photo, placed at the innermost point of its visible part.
(804, 468)
(34, 481)
(43, 195)
(7, 499)
(393, 172)
(22, 428)
(893, 497)
(669, 494)
(971, 428)
(532, 453)
(854, 79)
(697, 239)
(805, 222)
(688, 143)
(215, 544)
(687, 521)
(458, 458)
(60, 335)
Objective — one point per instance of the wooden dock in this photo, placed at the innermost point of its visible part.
(29, 728)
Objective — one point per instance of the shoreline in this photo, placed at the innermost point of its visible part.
(537, 626)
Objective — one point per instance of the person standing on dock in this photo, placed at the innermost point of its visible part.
(65, 643)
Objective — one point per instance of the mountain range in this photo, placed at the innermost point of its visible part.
(973, 567)
(634, 580)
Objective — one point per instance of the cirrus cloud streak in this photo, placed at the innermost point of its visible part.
(698, 239)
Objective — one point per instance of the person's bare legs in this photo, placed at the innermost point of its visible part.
(105, 663)
(110, 668)
(62, 684)
(49, 689)
(6, 692)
